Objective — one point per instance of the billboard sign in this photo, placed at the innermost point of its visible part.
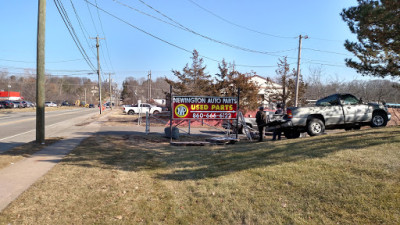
(194, 107)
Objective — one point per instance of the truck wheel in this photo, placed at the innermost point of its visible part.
(131, 112)
(292, 134)
(315, 127)
(379, 120)
(155, 112)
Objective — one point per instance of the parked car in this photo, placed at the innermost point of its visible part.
(107, 104)
(65, 103)
(28, 104)
(144, 107)
(50, 104)
(337, 111)
(18, 104)
(7, 104)
(24, 104)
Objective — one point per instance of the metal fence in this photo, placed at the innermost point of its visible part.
(185, 126)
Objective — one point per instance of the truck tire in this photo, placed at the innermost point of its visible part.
(379, 119)
(315, 127)
(155, 112)
(291, 134)
(131, 112)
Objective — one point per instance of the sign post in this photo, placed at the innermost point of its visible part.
(237, 120)
(171, 112)
(140, 112)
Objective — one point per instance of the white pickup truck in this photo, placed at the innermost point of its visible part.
(143, 108)
(337, 111)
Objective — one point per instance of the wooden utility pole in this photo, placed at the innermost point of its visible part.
(298, 71)
(109, 80)
(98, 70)
(40, 73)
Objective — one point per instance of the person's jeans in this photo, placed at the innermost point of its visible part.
(261, 132)
(277, 132)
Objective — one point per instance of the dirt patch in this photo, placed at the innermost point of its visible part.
(395, 121)
(117, 118)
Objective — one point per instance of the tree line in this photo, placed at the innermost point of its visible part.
(57, 89)
(193, 80)
(375, 22)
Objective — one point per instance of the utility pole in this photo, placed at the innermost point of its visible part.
(298, 71)
(40, 73)
(98, 70)
(149, 86)
(109, 80)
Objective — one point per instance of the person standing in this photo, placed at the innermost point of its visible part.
(277, 131)
(261, 119)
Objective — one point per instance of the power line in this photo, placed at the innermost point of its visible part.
(55, 70)
(330, 52)
(63, 61)
(143, 31)
(180, 26)
(91, 17)
(326, 64)
(323, 39)
(105, 40)
(48, 74)
(83, 29)
(71, 30)
(237, 25)
(162, 40)
(102, 30)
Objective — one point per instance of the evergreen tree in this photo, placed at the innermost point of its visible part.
(193, 80)
(377, 26)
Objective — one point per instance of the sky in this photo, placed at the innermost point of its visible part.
(159, 36)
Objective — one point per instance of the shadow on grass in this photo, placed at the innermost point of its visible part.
(152, 154)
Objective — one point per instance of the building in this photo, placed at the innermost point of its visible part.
(10, 95)
(267, 88)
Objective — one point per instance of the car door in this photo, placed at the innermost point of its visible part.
(331, 110)
(143, 108)
(147, 108)
(354, 110)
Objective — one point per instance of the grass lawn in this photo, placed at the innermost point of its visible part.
(23, 151)
(343, 178)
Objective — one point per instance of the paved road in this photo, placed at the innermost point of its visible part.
(20, 127)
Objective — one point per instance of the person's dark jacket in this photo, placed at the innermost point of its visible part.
(261, 118)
